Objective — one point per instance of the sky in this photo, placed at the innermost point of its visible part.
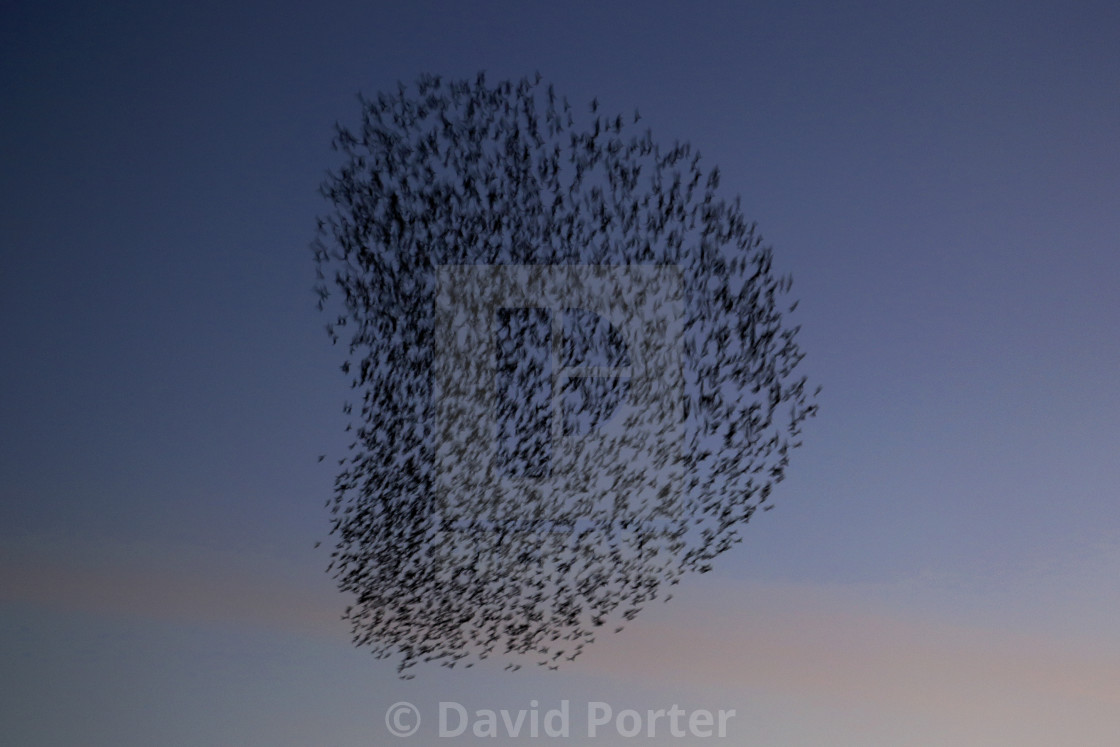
(942, 565)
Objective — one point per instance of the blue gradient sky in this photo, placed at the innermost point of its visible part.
(943, 564)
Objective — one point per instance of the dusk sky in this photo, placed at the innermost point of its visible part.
(942, 181)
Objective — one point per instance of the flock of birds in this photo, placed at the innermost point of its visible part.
(463, 173)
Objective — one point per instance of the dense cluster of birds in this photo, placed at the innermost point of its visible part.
(466, 173)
